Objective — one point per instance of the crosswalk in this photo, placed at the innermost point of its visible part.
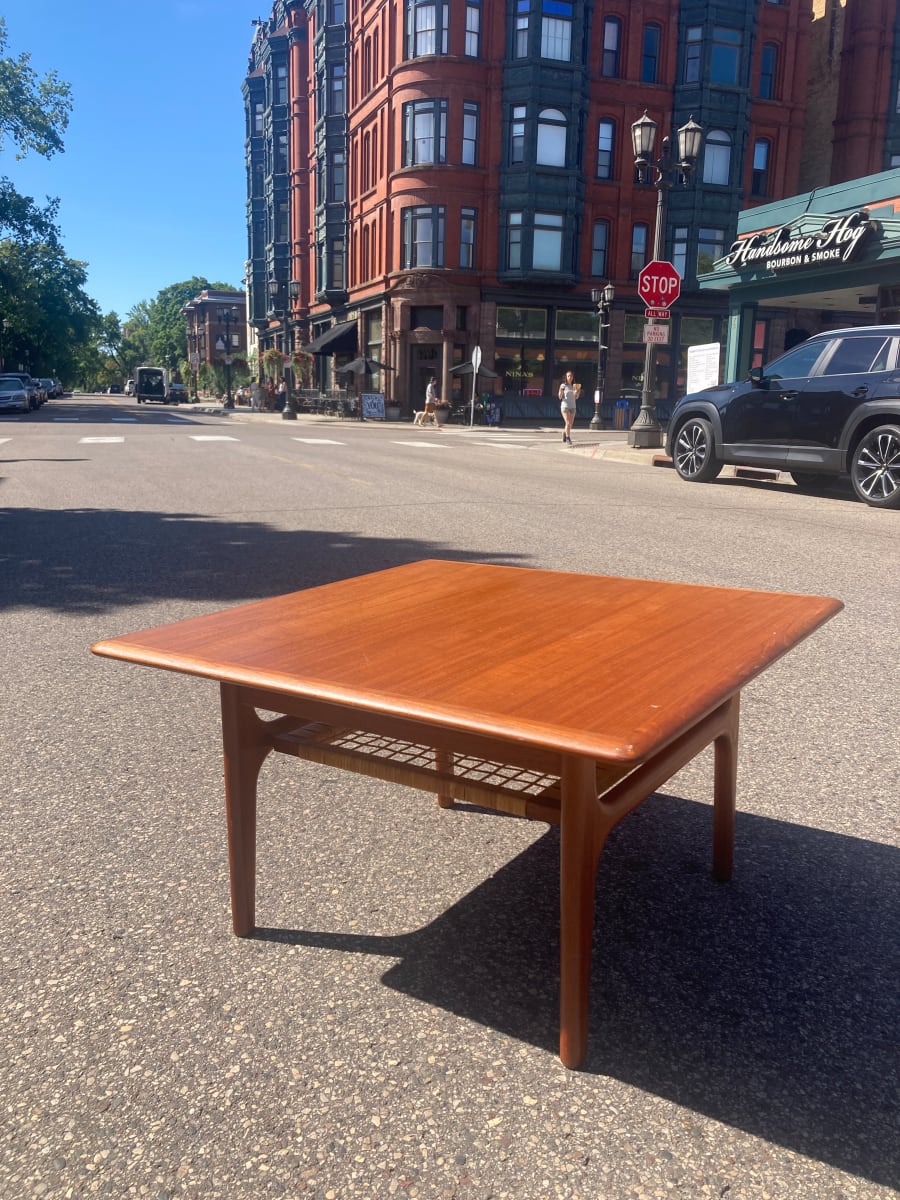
(411, 443)
(413, 440)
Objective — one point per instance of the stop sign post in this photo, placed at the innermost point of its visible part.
(659, 286)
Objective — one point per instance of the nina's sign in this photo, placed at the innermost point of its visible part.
(837, 241)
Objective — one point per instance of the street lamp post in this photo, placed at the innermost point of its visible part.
(194, 360)
(603, 298)
(228, 317)
(289, 412)
(645, 432)
(4, 326)
(193, 342)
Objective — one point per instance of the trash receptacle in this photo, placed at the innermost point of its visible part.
(623, 408)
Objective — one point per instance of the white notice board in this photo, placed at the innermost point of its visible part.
(702, 366)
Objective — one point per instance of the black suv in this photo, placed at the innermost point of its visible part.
(828, 407)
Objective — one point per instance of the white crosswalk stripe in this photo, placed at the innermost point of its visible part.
(318, 441)
(100, 439)
(423, 445)
(211, 437)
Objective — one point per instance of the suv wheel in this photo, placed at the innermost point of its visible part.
(875, 470)
(694, 453)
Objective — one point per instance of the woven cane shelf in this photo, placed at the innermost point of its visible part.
(504, 787)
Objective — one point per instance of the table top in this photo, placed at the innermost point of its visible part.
(596, 665)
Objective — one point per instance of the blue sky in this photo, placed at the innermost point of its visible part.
(152, 183)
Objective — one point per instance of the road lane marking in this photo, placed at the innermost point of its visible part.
(123, 420)
(318, 441)
(211, 437)
(70, 419)
(425, 445)
(101, 439)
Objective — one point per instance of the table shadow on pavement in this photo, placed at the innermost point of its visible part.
(769, 1003)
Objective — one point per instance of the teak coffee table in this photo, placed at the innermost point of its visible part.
(560, 697)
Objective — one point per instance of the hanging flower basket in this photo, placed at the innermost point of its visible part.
(302, 362)
(273, 363)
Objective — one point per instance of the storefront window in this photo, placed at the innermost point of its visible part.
(521, 323)
(576, 326)
(634, 328)
(697, 331)
(521, 369)
(520, 359)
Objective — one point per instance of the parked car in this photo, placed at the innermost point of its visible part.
(14, 394)
(31, 388)
(177, 394)
(826, 408)
(49, 386)
(129, 387)
(114, 389)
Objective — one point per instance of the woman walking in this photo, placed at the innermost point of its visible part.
(569, 391)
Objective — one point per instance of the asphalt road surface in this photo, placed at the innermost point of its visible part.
(391, 1030)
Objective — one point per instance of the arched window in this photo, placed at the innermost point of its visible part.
(551, 138)
(717, 157)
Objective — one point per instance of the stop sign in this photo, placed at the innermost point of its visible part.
(659, 284)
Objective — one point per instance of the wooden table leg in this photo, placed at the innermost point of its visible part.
(583, 831)
(245, 745)
(725, 792)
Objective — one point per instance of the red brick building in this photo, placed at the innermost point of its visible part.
(427, 177)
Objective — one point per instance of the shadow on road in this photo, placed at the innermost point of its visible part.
(769, 1003)
(94, 560)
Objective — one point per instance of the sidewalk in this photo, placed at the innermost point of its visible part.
(607, 443)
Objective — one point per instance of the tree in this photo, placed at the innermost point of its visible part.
(49, 315)
(34, 114)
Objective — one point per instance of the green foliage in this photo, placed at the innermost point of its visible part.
(49, 315)
(34, 113)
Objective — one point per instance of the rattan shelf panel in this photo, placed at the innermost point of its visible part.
(502, 786)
